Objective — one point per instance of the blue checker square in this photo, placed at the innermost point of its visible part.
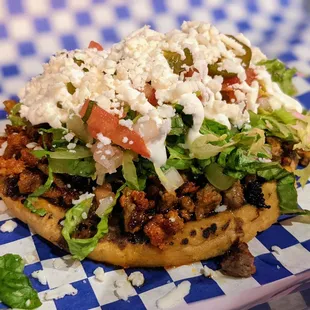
(252, 6)
(3, 32)
(26, 48)
(219, 14)
(88, 301)
(109, 35)
(306, 245)
(288, 56)
(195, 2)
(83, 18)
(122, 12)
(42, 24)
(134, 303)
(14, 97)
(90, 266)
(159, 6)
(20, 232)
(45, 249)
(153, 277)
(267, 269)
(182, 18)
(306, 296)
(3, 306)
(58, 4)
(284, 238)
(243, 26)
(36, 284)
(69, 42)
(10, 70)
(3, 114)
(305, 99)
(15, 6)
(261, 307)
(277, 18)
(202, 288)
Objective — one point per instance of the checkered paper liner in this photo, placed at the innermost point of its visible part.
(31, 30)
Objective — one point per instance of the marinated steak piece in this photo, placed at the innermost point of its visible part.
(276, 148)
(188, 188)
(11, 166)
(16, 142)
(290, 157)
(208, 199)
(233, 197)
(135, 206)
(238, 261)
(29, 181)
(29, 159)
(168, 201)
(304, 157)
(160, 227)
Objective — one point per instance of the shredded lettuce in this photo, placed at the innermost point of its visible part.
(80, 248)
(15, 288)
(84, 167)
(39, 192)
(63, 153)
(210, 126)
(129, 171)
(281, 75)
(15, 118)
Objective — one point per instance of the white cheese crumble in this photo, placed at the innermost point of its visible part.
(28, 302)
(31, 145)
(82, 198)
(99, 274)
(3, 148)
(104, 140)
(84, 215)
(208, 272)
(8, 226)
(60, 292)
(175, 296)
(71, 146)
(220, 208)
(40, 275)
(69, 136)
(136, 278)
(123, 289)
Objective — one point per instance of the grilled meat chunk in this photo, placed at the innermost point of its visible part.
(188, 188)
(208, 199)
(238, 261)
(11, 166)
(276, 148)
(233, 197)
(169, 200)
(29, 181)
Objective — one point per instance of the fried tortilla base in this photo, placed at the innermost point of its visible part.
(203, 239)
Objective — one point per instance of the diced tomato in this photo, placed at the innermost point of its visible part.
(190, 72)
(250, 76)
(149, 92)
(100, 121)
(94, 44)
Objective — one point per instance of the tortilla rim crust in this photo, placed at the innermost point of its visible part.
(203, 239)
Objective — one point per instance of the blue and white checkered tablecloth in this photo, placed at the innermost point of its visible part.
(32, 30)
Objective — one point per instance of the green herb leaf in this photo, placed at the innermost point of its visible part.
(15, 288)
(175, 61)
(129, 170)
(281, 75)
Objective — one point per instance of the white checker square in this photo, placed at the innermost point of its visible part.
(104, 16)
(47, 45)
(301, 51)
(298, 226)
(257, 248)
(8, 52)
(177, 7)
(235, 12)
(201, 15)
(125, 27)
(141, 10)
(20, 27)
(57, 277)
(301, 84)
(46, 305)
(88, 34)
(31, 66)
(13, 84)
(233, 286)
(185, 271)
(150, 297)
(301, 65)
(63, 21)
(294, 258)
(36, 7)
(105, 291)
(303, 196)
(165, 23)
(23, 247)
(79, 5)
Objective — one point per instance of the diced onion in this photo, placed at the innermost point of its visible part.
(171, 179)
(104, 205)
(76, 125)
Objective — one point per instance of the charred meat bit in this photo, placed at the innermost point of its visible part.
(161, 227)
(208, 199)
(10, 188)
(168, 201)
(238, 261)
(135, 206)
(209, 231)
(304, 157)
(186, 215)
(16, 142)
(29, 159)
(233, 197)
(188, 188)
(254, 195)
(29, 181)
(276, 148)
(187, 204)
(9, 105)
(290, 157)
(11, 166)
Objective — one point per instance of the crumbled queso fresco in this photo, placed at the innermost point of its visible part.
(118, 76)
